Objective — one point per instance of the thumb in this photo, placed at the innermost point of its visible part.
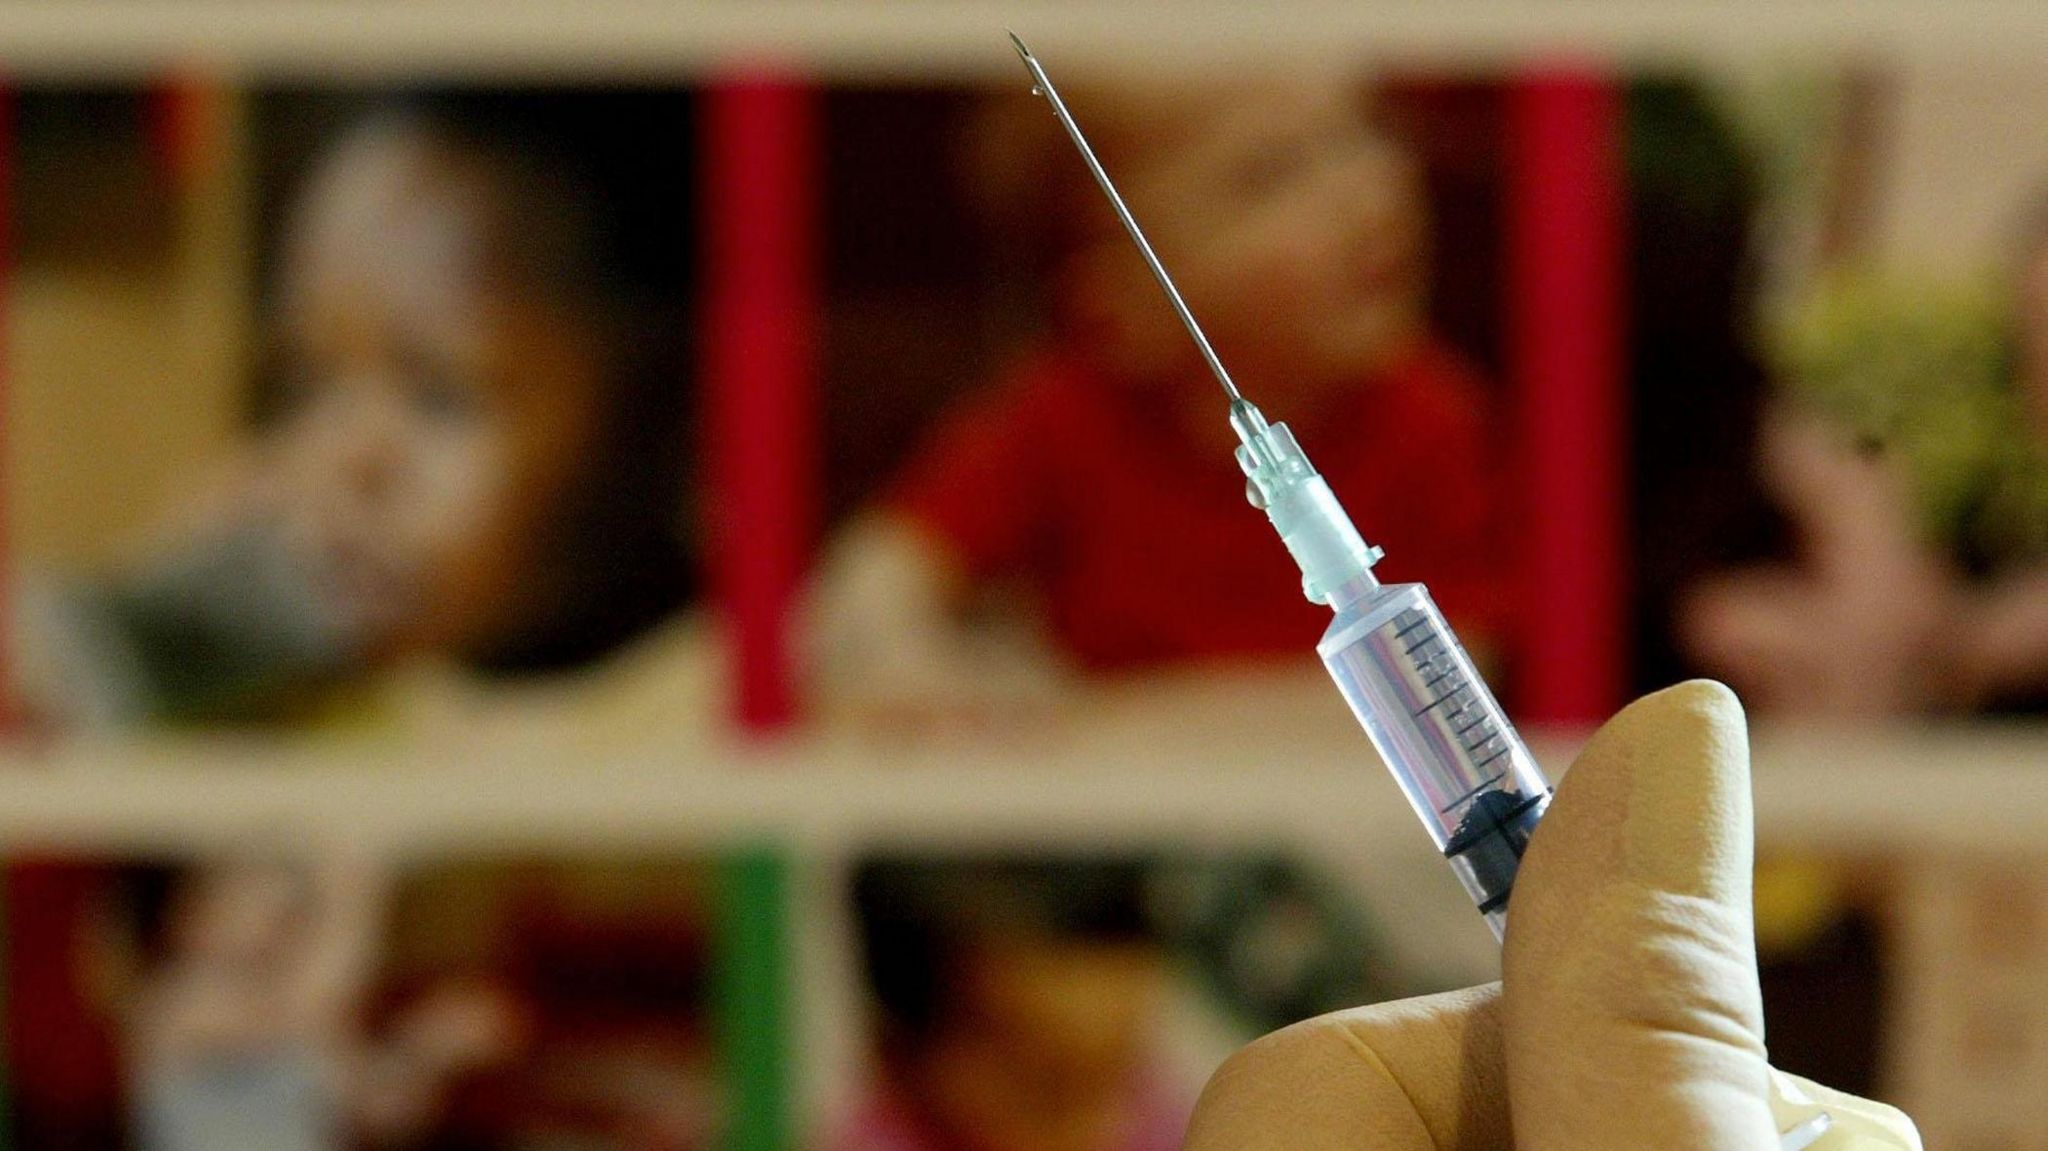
(1633, 1013)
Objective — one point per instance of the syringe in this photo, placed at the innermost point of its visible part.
(1400, 667)
(1408, 679)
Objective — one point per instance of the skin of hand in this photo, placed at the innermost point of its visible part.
(1855, 628)
(1629, 1014)
(893, 654)
(1999, 638)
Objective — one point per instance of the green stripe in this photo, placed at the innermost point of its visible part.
(753, 985)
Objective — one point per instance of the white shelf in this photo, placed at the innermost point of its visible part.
(1188, 762)
(1193, 760)
(848, 39)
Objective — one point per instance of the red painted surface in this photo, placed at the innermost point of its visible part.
(1566, 358)
(760, 204)
(60, 1064)
(182, 114)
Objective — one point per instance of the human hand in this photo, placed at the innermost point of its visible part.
(893, 657)
(1629, 1014)
(1853, 628)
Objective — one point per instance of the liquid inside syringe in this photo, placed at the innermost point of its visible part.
(1406, 677)
(1398, 664)
(1401, 669)
(1444, 737)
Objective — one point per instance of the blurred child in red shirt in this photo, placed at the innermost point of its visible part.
(1097, 474)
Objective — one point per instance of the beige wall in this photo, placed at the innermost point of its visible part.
(108, 409)
(123, 382)
(1969, 148)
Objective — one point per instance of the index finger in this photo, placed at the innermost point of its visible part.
(1423, 1074)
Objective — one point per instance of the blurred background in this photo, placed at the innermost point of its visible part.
(655, 577)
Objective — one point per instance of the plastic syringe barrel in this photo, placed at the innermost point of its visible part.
(1405, 675)
(1471, 779)
(1414, 689)
(1445, 738)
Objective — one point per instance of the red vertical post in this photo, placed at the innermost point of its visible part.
(761, 262)
(1567, 358)
(58, 1068)
(760, 209)
(181, 112)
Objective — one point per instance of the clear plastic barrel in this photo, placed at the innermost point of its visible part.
(1443, 735)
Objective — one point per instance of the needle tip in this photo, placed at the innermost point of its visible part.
(1022, 51)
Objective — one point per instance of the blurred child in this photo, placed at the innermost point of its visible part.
(468, 449)
(1911, 453)
(608, 961)
(1097, 474)
(2001, 652)
(470, 439)
(1016, 1009)
(245, 1035)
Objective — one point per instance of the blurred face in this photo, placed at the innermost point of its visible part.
(244, 917)
(1045, 1045)
(438, 399)
(1297, 235)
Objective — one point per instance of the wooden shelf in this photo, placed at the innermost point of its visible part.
(837, 38)
(1185, 762)
(1188, 760)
